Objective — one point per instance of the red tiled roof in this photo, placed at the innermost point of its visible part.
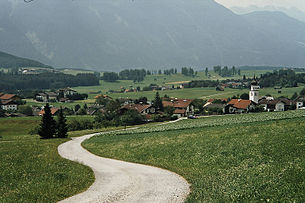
(53, 111)
(138, 107)
(233, 101)
(178, 103)
(7, 96)
(242, 104)
(179, 111)
(212, 100)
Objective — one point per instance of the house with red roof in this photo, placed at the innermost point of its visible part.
(183, 107)
(9, 102)
(239, 106)
(54, 111)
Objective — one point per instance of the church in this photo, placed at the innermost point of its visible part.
(254, 92)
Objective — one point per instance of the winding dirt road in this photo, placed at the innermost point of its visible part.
(119, 181)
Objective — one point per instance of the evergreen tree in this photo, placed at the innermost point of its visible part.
(62, 129)
(158, 102)
(48, 124)
(206, 71)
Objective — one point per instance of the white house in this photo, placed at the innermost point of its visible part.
(8, 105)
(299, 102)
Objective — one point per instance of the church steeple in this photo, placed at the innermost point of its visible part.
(254, 92)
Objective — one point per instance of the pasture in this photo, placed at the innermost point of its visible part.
(253, 157)
(31, 169)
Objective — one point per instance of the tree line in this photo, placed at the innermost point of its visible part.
(282, 78)
(9, 82)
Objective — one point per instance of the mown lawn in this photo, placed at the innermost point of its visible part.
(258, 161)
(31, 169)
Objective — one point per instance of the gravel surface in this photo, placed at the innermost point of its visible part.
(119, 181)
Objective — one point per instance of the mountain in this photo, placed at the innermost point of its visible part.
(292, 11)
(11, 61)
(112, 35)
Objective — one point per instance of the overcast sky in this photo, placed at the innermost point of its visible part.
(300, 4)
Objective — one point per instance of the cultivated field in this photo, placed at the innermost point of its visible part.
(253, 157)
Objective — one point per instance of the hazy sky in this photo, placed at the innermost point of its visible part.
(300, 4)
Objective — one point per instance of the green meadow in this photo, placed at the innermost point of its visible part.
(31, 169)
(235, 158)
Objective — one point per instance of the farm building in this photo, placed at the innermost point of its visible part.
(183, 107)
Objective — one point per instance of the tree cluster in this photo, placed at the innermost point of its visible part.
(187, 71)
(202, 83)
(225, 71)
(49, 128)
(137, 75)
(113, 116)
(170, 71)
(283, 78)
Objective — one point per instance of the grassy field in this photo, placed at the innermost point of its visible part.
(74, 71)
(31, 169)
(32, 102)
(204, 93)
(251, 157)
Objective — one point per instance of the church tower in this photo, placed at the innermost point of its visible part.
(254, 92)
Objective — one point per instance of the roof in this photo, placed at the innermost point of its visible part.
(179, 111)
(254, 82)
(53, 111)
(233, 101)
(7, 96)
(283, 100)
(41, 94)
(178, 103)
(51, 94)
(138, 107)
(7, 102)
(67, 89)
(300, 99)
(242, 104)
(212, 100)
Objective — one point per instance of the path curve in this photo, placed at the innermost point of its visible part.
(119, 181)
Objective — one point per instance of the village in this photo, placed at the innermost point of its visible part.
(179, 107)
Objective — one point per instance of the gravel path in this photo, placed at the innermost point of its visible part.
(119, 181)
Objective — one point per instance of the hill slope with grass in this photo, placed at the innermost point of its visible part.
(229, 158)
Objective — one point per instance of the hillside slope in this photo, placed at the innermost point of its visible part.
(11, 61)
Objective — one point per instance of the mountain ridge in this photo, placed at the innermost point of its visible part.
(10, 61)
(106, 35)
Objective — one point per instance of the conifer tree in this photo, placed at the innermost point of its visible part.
(62, 129)
(158, 102)
(47, 127)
